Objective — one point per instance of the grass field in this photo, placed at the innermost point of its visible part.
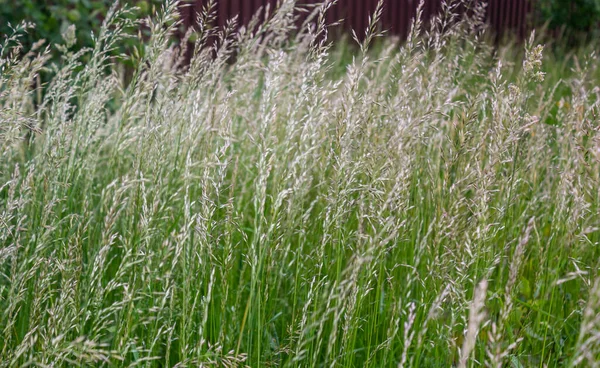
(429, 204)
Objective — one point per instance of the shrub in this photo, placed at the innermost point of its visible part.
(50, 19)
(576, 18)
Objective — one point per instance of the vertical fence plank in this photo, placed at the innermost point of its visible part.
(387, 16)
(361, 17)
(403, 16)
(513, 14)
(223, 12)
(354, 9)
(330, 16)
(495, 14)
(186, 14)
(505, 16)
(522, 18)
(245, 11)
(194, 10)
(428, 10)
(366, 13)
(529, 5)
(234, 10)
(392, 9)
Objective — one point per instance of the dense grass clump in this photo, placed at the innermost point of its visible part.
(434, 205)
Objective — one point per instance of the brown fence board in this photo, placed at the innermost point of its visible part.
(234, 9)
(397, 16)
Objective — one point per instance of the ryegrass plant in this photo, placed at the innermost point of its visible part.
(435, 204)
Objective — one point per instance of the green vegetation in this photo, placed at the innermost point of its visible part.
(576, 18)
(434, 205)
(49, 20)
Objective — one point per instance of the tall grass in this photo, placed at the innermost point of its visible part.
(434, 205)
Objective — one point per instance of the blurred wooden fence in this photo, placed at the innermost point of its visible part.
(502, 15)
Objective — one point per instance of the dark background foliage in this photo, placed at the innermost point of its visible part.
(575, 19)
(52, 18)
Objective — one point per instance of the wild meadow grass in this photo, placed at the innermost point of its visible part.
(435, 203)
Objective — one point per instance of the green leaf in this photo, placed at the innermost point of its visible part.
(73, 15)
(515, 363)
